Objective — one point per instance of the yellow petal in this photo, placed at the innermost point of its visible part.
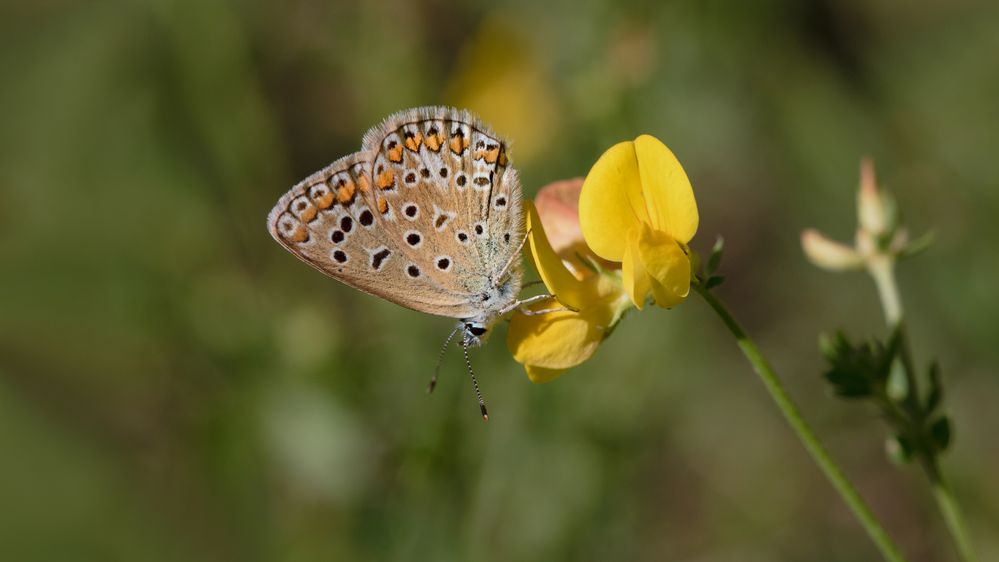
(549, 343)
(540, 374)
(667, 266)
(636, 281)
(556, 340)
(666, 190)
(611, 202)
(557, 279)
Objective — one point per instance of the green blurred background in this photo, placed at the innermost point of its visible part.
(175, 386)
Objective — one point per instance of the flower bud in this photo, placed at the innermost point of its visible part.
(829, 254)
(872, 206)
(558, 206)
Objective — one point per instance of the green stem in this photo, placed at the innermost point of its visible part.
(952, 516)
(882, 269)
(808, 438)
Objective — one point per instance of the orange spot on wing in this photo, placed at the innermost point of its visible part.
(395, 154)
(364, 184)
(309, 213)
(502, 157)
(382, 205)
(434, 142)
(325, 200)
(492, 155)
(459, 144)
(413, 143)
(301, 234)
(386, 180)
(346, 193)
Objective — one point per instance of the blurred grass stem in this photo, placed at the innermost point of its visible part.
(889, 550)
(882, 269)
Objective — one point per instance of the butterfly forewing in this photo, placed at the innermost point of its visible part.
(454, 169)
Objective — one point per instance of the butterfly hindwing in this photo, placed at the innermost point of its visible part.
(330, 221)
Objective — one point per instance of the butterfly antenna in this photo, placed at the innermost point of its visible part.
(475, 383)
(440, 357)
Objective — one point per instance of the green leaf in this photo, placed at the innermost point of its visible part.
(716, 255)
(918, 245)
(899, 449)
(857, 371)
(940, 433)
(714, 281)
(935, 395)
(834, 346)
(849, 384)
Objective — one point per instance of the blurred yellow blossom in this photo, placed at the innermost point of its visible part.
(500, 76)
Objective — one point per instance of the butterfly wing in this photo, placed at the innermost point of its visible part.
(440, 174)
(331, 221)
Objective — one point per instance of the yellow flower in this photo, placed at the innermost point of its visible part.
(548, 344)
(637, 208)
(620, 235)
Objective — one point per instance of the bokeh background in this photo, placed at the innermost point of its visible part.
(175, 386)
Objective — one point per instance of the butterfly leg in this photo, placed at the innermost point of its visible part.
(529, 312)
(525, 302)
(522, 306)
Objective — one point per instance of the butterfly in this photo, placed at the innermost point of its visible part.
(426, 215)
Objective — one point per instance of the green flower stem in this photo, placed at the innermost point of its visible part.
(808, 438)
(882, 269)
(883, 272)
(952, 516)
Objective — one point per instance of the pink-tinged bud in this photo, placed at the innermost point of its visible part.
(829, 254)
(872, 210)
(558, 206)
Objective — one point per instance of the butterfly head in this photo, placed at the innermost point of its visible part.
(474, 332)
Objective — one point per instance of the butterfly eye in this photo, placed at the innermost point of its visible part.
(477, 330)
